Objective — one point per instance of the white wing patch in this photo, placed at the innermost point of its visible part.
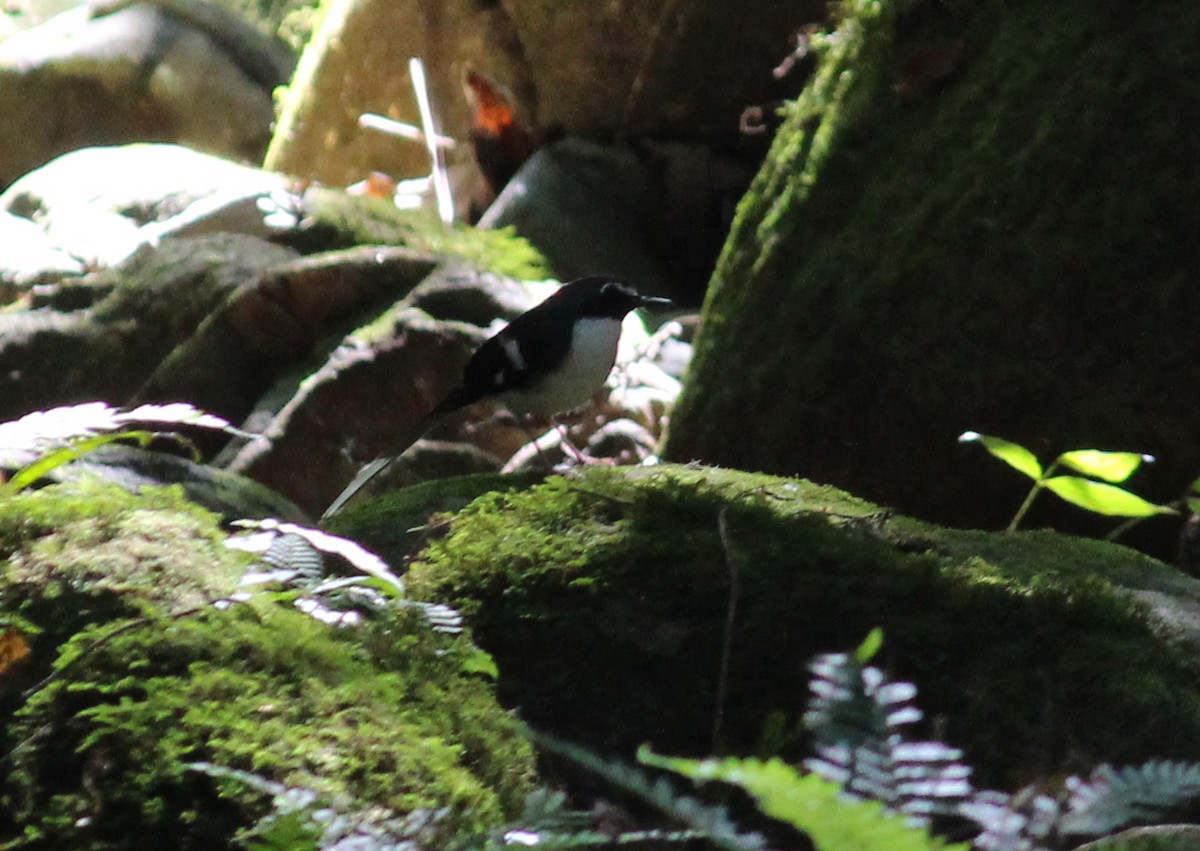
(512, 350)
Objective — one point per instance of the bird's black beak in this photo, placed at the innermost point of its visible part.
(652, 301)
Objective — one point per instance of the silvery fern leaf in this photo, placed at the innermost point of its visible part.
(1114, 797)
(43, 430)
(1011, 822)
(856, 715)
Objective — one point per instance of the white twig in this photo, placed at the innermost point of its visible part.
(441, 182)
(401, 129)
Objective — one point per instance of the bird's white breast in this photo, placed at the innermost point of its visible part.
(590, 359)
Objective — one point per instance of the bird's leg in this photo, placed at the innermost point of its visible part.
(533, 438)
(572, 452)
(569, 448)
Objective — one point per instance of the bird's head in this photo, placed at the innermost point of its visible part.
(603, 296)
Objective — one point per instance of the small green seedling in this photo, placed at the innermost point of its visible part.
(1102, 497)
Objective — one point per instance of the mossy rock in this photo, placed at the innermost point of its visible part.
(398, 523)
(356, 220)
(1009, 250)
(1167, 837)
(603, 599)
(291, 20)
(133, 674)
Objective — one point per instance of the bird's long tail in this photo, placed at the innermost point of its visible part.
(418, 430)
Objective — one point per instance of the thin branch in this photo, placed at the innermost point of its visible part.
(129, 625)
(401, 129)
(441, 182)
(735, 587)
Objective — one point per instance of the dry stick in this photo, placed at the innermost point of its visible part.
(727, 636)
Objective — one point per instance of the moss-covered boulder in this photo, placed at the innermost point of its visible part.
(604, 596)
(133, 673)
(1007, 248)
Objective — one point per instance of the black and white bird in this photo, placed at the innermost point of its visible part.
(549, 360)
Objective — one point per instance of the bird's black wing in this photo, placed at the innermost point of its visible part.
(518, 356)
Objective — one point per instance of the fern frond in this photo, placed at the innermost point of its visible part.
(809, 803)
(302, 819)
(56, 426)
(856, 715)
(853, 704)
(357, 557)
(1012, 822)
(713, 823)
(293, 557)
(1114, 797)
(65, 433)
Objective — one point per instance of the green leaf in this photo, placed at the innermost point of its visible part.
(870, 646)
(26, 476)
(1102, 498)
(1013, 454)
(809, 803)
(480, 662)
(1109, 466)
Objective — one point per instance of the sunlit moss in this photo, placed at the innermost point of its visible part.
(364, 220)
(134, 673)
(603, 597)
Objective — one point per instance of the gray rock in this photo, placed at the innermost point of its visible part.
(220, 491)
(586, 208)
(123, 71)
(100, 204)
(1161, 837)
(29, 256)
(155, 303)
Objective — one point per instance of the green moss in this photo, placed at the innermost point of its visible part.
(270, 691)
(1010, 251)
(395, 523)
(602, 598)
(109, 552)
(291, 20)
(146, 676)
(369, 221)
